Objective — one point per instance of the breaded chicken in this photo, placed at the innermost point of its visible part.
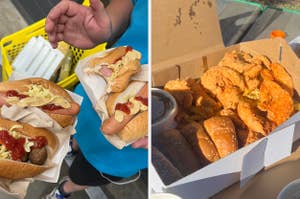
(236, 60)
(238, 123)
(230, 97)
(262, 60)
(217, 78)
(225, 83)
(246, 137)
(181, 92)
(276, 101)
(250, 115)
(283, 77)
(202, 102)
(266, 74)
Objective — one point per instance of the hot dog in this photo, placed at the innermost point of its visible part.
(24, 149)
(128, 112)
(116, 67)
(41, 93)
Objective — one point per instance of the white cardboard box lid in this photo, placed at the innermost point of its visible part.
(181, 27)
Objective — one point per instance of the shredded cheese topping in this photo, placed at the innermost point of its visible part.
(135, 107)
(39, 96)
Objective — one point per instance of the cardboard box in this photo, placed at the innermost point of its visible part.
(186, 40)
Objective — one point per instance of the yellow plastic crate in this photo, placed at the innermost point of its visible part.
(12, 44)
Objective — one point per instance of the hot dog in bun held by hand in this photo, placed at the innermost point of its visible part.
(128, 112)
(24, 149)
(43, 94)
(116, 67)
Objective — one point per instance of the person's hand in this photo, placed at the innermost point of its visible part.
(141, 143)
(80, 26)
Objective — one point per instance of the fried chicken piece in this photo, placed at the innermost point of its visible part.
(236, 60)
(225, 83)
(262, 60)
(252, 83)
(266, 74)
(230, 97)
(238, 123)
(276, 101)
(203, 103)
(246, 137)
(283, 77)
(250, 115)
(217, 78)
(251, 77)
(181, 92)
(253, 71)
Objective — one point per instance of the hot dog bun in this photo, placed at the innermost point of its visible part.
(110, 58)
(116, 67)
(64, 117)
(136, 128)
(11, 169)
(134, 125)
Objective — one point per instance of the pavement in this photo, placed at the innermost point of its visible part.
(15, 16)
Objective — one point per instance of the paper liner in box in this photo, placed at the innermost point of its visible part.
(253, 162)
(282, 138)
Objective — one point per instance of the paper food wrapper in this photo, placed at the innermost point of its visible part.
(95, 87)
(38, 118)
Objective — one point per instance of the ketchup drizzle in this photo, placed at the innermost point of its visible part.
(16, 146)
(123, 107)
(14, 93)
(51, 107)
(39, 142)
(128, 48)
(142, 100)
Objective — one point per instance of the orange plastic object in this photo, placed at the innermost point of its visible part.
(277, 33)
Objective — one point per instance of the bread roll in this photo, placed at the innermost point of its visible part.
(222, 132)
(200, 141)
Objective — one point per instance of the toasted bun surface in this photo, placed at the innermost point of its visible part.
(18, 170)
(113, 98)
(110, 57)
(21, 85)
(201, 142)
(11, 169)
(62, 120)
(222, 132)
(136, 128)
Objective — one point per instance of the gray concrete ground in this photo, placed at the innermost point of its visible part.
(10, 19)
